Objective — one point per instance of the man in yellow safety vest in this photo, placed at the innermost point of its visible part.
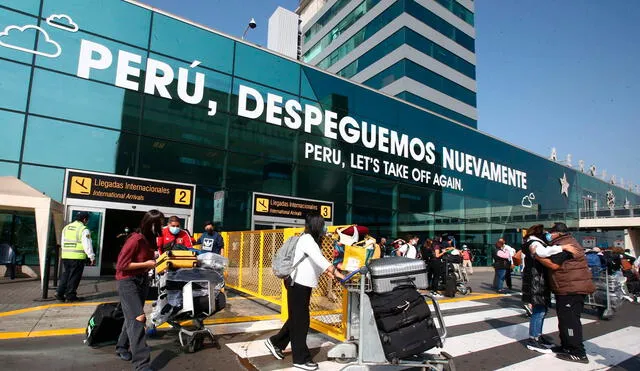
(76, 249)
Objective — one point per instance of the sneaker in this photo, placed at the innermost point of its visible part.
(533, 344)
(125, 356)
(311, 366)
(527, 309)
(573, 357)
(277, 353)
(545, 341)
(59, 298)
(558, 349)
(74, 300)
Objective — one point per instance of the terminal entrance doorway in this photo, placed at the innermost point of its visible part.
(116, 203)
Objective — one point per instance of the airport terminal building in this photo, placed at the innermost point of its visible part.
(114, 107)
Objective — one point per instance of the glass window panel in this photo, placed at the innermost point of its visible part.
(458, 9)
(263, 90)
(14, 87)
(325, 18)
(174, 161)
(47, 180)
(68, 60)
(188, 43)
(74, 146)
(11, 125)
(119, 20)
(375, 219)
(447, 29)
(282, 73)
(84, 101)
(427, 104)
(258, 174)
(29, 6)
(373, 192)
(8, 169)
(16, 38)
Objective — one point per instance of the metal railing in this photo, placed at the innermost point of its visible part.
(606, 212)
(250, 254)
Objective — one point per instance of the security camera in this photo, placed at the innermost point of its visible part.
(252, 23)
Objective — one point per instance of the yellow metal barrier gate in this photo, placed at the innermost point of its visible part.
(250, 254)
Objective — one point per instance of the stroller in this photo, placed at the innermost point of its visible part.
(455, 272)
(190, 294)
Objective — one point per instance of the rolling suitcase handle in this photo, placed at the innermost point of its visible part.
(436, 306)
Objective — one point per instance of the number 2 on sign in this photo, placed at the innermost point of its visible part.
(183, 196)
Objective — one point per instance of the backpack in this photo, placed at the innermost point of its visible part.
(283, 264)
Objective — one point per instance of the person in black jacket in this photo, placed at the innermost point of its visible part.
(500, 263)
(535, 289)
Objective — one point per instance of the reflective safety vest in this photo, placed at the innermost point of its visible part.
(72, 241)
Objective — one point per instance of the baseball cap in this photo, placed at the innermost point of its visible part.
(559, 227)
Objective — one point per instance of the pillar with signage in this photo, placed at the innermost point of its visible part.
(116, 204)
(275, 211)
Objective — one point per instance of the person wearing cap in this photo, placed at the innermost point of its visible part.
(570, 281)
(76, 248)
(467, 259)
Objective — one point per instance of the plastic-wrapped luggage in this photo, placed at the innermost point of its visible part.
(389, 273)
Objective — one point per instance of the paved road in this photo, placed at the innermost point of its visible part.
(485, 334)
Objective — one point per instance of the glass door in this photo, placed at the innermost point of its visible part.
(96, 226)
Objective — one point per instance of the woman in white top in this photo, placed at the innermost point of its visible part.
(304, 279)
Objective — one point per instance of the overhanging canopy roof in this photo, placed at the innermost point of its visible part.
(18, 195)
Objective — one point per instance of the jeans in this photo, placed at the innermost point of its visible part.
(297, 326)
(500, 274)
(70, 278)
(133, 291)
(537, 320)
(569, 308)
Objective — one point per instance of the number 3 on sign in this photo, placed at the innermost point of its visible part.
(183, 196)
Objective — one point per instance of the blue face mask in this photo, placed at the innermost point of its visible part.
(174, 230)
(548, 237)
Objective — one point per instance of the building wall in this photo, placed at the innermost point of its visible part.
(99, 105)
(282, 35)
(423, 49)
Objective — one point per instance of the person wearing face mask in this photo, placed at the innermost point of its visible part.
(134, 262)
(409, 250)
(174, 235)
(211, 240)
(570, 281)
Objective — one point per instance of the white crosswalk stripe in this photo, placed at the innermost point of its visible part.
(464, 316)
(599, 350)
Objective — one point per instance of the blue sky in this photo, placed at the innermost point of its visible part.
(561, 73)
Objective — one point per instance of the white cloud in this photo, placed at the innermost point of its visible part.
(63, 22)
(6, 42)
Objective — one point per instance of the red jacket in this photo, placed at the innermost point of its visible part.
(182, 238)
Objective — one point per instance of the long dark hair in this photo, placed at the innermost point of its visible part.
(536, 230)
(314, 225)
(151, 226)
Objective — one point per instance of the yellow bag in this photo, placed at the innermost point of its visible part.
(354, 257)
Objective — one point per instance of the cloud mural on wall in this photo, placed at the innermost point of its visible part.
(63, 22)
(13, 37)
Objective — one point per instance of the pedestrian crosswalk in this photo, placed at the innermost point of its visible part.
(484, 335)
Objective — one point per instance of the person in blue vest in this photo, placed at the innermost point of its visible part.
(76, 249)
(211, 240)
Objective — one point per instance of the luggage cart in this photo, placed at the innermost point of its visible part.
(189, 295)
(608, 295)
(362, 351)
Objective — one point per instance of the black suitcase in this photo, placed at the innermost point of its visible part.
(450, 284)
(410, 340)
(401, 307)
(105, 325)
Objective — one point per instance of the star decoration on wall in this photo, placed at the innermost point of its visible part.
(565, 185)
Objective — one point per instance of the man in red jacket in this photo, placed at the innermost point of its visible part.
(173, 235)
(570, 281)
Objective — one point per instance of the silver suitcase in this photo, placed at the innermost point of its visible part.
(389, 273)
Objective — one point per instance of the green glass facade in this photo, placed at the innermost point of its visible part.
(142, 94)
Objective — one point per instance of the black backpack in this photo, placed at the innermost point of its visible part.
(105, 325)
